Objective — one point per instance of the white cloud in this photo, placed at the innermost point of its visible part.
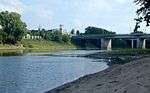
(33, 12)
(11, 5)
(38, 11)
(111, 14)
(115, 15)
(121, 1)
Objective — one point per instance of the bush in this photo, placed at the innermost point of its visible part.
(66, 38)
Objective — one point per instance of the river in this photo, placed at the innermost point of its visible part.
(34, 72)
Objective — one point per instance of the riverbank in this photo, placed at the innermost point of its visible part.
(121, 56)
(132, 77)
(38, 45)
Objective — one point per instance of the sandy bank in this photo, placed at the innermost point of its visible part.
(133, 77)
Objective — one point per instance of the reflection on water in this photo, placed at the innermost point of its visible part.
(39, 72)
(11, 52)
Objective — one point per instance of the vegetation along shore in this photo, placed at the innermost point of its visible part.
(38, 44)
(15, 35)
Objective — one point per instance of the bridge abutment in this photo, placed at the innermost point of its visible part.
(141, 43)
(138, 43)
(106, 44)
(144, 44)
(132, 43)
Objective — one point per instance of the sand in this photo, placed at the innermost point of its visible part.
(133, 77)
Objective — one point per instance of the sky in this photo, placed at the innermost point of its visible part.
(114, 15)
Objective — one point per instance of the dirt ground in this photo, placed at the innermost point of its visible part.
(133, 77)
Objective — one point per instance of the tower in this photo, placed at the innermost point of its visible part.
(61, 28)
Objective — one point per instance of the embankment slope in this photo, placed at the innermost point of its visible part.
(133, 77)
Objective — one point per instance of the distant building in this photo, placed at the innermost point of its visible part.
(62, 30)
(29, 36)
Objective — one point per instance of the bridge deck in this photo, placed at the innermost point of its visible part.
(118, 36)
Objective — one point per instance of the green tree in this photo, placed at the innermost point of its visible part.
(66, 38)
(138, 21)
(57, 36)
(144, 10)
(72, 31)
(78, 32)
(49, 36)
(95, 30)
(13, 27)
(2, 36)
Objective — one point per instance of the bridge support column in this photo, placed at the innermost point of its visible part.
(106, 44)
(141, 43)
(109, 47)
(138, 45)
(132, 43)
(144, 44)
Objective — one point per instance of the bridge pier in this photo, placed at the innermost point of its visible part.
(132, 43)
(144, 44)
(106, 44)
(140, 43)
(135, 43)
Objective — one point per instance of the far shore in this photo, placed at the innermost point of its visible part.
(37, 45)
(131, 77)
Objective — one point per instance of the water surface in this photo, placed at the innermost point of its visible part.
(39, 72)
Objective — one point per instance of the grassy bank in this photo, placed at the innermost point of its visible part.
(130, 51)
(7, 46)
(38, 45)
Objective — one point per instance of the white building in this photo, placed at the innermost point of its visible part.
(28, 36)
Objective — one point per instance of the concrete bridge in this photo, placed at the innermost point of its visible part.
(106, 41)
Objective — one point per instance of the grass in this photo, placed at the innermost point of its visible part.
(131, 51)
(38, 45)
(7, 46)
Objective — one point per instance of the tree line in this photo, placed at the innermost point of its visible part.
(95, 30)
(13, 29)
(51, 35)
